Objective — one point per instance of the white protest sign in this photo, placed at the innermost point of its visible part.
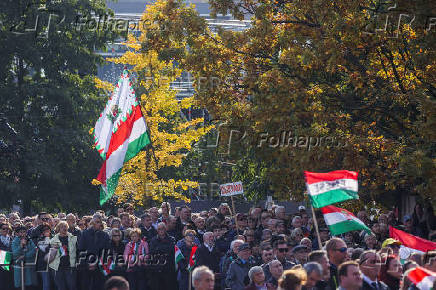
(230, 189)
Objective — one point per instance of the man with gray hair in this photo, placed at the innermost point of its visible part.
(231, 255)
(207, 254)
(314, 274)
(276, 270)
(203, 278)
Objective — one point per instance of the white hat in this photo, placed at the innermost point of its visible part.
(301, 207)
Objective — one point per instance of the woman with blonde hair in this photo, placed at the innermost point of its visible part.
(63, 257)
(136, 254)
(292, 279)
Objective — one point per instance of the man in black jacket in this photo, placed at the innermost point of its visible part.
(162, 271)
(92, 243)
(209, 256)
(147, 230)
(370, 265)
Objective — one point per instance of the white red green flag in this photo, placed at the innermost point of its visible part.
(410, 243)
(332, 187)
(178, 256)
(340, 220)
(422, 278)
(5, 259)
(63, 251)
(119, 134)
(192, 258)
(107, 268)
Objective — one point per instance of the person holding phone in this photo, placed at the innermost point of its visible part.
(24, 248)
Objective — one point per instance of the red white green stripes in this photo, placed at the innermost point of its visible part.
(192, 258)
(423, 279)
(63, 251)
(5, 259)
(340, 220)
(120, 133)
(178, 256)
(106, 269)
(332, 187)
(411, 243)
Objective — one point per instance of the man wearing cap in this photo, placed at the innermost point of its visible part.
(237, 275)
(300, 253)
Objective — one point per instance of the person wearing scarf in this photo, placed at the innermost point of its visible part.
(136, 254)
(62, 257)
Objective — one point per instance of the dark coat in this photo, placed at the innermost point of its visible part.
(92, 242)
(381, 286)
(253, 287)
(163, 249)
(209, 259)
(148, 234)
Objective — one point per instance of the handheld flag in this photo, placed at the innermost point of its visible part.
(178, 256)
(63, 251)
(5, 259)
(423, 279)
(340, 220)
(410, 243)
(192, 258)
(120, 133)
(332, 187)
(106, 269)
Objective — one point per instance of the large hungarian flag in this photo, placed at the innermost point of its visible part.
(340, 220)
(332, 187)
(119, 134)
(423, 279)
(410, 243)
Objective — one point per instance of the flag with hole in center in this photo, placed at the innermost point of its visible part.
(332, 187)
(119, 135)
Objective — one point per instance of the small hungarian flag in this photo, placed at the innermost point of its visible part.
(120, 134)
(63, 251)
(178, 256)
(5, 259)
(410, 243)
(192, 259)
(106, 269)
(340, 220)
(332, 187)
(423, 279)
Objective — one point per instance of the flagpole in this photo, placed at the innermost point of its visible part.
(190, 280)
(315, 222)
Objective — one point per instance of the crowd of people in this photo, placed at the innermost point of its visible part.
(263, 249)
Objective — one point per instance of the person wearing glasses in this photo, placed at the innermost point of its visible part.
(117, 246)
(35, 232)
(281, 249)
(337, 254)
(370, 265)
